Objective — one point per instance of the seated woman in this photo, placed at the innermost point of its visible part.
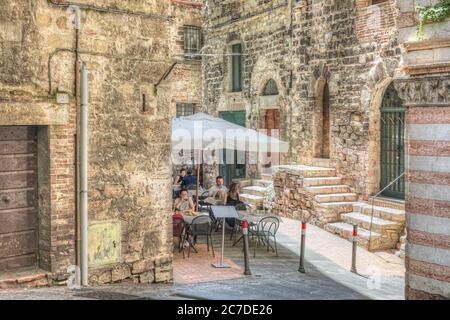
(180, 177)
(232, 196)
(232, 199)
(184, 204)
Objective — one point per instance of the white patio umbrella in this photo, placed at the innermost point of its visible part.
(202, 132)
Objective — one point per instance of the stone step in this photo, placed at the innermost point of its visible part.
(319, 172)
(243, 182)
(390, 214)
(321, 162)
(337, 197)
(389, 203)
(266, 176)
(337, 207)
(262, 183)
(255, 190)
(378, 225)
(330, 189)
(308, 171)
(345, 230)
(324, 181)
(252, 199)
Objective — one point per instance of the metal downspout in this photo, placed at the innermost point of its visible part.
(83, 196)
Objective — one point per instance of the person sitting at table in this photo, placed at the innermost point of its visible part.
(189, 181)
(180, 177)
(232, 196)
(218, 191)
(184, 204)
(232, 200)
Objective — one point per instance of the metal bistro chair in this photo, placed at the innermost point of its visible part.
(178, 231)
(200, 226)
(237, 226)
(202, 205)
(265, 229)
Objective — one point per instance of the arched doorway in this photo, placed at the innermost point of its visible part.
(392, 140)
(325, 152)
(270, 122)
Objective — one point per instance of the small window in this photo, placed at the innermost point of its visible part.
(236, 70)
(185, 109)
(192, 40)
(271, 88)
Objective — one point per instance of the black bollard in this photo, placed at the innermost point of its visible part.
(302, 249)
(355, 245)
(247, 271)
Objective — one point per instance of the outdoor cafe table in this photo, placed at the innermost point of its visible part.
(223, 212)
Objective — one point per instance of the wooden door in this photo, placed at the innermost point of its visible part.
(18, 209)
(272, 126)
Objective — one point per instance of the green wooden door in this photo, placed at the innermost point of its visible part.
(231, 168)
(392, 144)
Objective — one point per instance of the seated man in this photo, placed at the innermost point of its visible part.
(189, 181)
(218, 191)
(184, 204)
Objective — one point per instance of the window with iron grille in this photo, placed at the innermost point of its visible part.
(192, 40)
(185, 109)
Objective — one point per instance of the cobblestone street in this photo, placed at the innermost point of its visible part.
(327, 277)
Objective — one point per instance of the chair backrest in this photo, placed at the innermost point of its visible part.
(269, 225)
(178, 226)
(201, 225)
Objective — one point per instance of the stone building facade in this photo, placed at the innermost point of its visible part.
(425, 89)
(137, 74)
(341, 52)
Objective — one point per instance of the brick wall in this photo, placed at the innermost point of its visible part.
(424, 86)
(428, 192)
(129, 124)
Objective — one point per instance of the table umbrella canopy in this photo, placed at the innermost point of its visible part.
(203, 132)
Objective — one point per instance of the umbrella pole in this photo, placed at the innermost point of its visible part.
(198, 182)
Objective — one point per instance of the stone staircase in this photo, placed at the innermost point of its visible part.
(388, 224)
(256, 192)
(324, 200)
(335, 201)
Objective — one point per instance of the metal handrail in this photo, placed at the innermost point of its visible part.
(373, 204)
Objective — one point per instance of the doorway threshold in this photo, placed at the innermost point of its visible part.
(25, 277)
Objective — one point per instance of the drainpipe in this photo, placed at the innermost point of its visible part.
(84, 173)
(77, 23)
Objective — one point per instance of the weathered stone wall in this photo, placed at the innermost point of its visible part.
(303, 45)
(425, 90)
(263, 29)
(127, 52)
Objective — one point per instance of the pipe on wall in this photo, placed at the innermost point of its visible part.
(64, 4)
(83, 196)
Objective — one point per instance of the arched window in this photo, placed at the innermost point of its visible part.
(271, 88)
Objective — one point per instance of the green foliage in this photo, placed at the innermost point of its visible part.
(429, 14)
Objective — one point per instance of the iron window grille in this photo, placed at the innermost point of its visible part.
(185, 109)
(192, 41)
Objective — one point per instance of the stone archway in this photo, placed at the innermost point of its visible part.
(321, 120)
(380, 77)
(269, 103)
